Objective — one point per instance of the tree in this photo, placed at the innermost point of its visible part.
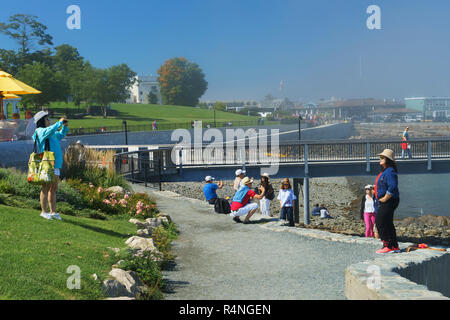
(9, 61)
(220, 106)
(152, 98)
(182, 82)
(110, 85)
(43, 78)
(28, 32)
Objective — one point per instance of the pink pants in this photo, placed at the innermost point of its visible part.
(369, 219)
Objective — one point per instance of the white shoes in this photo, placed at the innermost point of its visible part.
(46, 215)
(56, 216)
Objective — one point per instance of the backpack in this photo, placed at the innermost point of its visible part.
(222, 206)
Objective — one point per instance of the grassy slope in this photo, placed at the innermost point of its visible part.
(138, 114)
(35, 253)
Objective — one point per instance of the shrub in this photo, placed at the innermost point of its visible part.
(163, 237)
(5, 187)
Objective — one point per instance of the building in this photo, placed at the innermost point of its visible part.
(143, 86)
(437, 108)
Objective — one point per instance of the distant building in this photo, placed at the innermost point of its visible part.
(431, 107)
(140, 90)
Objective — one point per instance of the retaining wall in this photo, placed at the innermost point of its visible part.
(419, 275)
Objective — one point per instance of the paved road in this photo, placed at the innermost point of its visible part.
(219, 259)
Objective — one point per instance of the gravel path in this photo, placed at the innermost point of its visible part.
(219, 259)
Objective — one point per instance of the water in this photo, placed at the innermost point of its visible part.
(420, 194)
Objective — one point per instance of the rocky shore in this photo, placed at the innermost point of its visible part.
(342, 197)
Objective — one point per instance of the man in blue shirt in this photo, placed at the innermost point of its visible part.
(210, 188)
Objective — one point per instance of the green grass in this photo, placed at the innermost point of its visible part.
(139, 114)
(35, 254)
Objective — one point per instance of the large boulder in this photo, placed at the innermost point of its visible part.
(140, 224)
(140, 243)
(156, 222)
(122, 284)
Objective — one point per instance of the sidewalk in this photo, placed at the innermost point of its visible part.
(220, 259)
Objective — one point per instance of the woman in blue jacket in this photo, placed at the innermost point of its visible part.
(388, 198)
(48, 137)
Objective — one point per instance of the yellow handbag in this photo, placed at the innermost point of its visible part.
(41, 167)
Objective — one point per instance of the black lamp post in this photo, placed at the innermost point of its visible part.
(126, 133)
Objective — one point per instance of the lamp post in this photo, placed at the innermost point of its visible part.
(126, 133)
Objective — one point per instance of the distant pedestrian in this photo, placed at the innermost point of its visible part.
(368, 210)
(210, 189)
(268, 195)
(286, 198)
(388, 198)
(242, 205)
(406, 148)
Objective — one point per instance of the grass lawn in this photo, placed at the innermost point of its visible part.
(35, 253)
(140, 114)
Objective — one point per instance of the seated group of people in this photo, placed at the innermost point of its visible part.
(242, 204)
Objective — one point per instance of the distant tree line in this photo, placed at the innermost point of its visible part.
(61, 73)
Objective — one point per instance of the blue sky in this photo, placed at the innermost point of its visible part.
(321, 48)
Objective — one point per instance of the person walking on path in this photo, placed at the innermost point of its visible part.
(48, 137)
(388, 198)
(368, 210)
(241, 205)
(286, 198)
(210, 189)
(268, 195)
(406, 146)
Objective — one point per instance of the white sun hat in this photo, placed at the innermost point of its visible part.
(38, 116)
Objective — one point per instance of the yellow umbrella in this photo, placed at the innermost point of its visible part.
(10, 96)
(10, 85)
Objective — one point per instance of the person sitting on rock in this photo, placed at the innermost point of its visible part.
(241, 205)
(210, 188)
(316, 210)
(324, 214)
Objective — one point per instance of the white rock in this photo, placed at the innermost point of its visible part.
(117, 189)
(141, 243)
(139, 224)
(123, 283)
(156, 222)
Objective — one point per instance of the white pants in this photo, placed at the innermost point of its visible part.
(244, 210)
(265, 206)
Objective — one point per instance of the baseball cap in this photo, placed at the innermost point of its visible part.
(240, 171)
(39, 116)
(209, 178)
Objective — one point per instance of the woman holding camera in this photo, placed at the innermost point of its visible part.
(48, 137)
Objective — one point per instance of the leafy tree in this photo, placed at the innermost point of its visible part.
(9, 61)
(182, 82)
(43, 78)
(152, 98)
(28, 33)
(110, 85)
(220, 106)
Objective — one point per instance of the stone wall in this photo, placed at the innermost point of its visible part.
(419, 275)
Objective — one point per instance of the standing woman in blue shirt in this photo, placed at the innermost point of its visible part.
(48, 137)
(388, 198)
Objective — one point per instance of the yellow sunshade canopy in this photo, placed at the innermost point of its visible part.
(10, 96)
(10, 85)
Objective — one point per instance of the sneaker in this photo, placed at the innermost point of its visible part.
(237, 220)
(385, 250)
(46, 215)
(56, 216)
(397, 250)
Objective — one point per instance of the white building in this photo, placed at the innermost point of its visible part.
(143, 86)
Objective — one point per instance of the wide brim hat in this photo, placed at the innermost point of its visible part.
(388, 153)
(38, 116)
(265, 175)
(246, 180)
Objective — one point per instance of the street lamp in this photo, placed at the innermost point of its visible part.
(126, 133)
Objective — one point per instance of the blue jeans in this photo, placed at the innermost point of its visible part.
(286, 213)
(408, 151)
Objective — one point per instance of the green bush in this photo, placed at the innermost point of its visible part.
(5, 187)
